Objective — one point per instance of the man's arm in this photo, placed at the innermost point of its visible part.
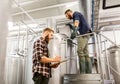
(76, 23)
(38, 51)
(45, 59)
(75, 28)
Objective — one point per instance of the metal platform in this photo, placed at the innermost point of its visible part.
(82, 79)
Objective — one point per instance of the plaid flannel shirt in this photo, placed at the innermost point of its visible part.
(39, 50)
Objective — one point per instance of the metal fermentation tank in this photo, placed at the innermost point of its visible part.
(59, 46)
(113, 54)
(114, 57)
(14, 70)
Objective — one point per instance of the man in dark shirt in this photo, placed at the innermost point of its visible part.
(41, 62)
(81, 27)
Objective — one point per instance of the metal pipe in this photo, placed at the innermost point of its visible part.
(99, 52)
(96, 14)
(110, 40)
(107, 61)
(85, 34)
(92, 15)
(38, 9)
(6, 72)
(96, 47)
(21, 34)
(30, 17)
(18, 71)
(108, 23)
(114, 35)
(24, 11)
(92, 33)
(23, 44)
(29, 27)
(101, 42)
(66, 53)
(18, 52)
(118, 73)
(18, 38)
(88, 11)
(26, 52)
(25, 58)
(77, 62)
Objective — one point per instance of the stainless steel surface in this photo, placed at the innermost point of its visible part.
(109, 82)
(110, 40)
(82, 82)
(14, 70)
(107, 61)
(4, 15)
(82, 79)
(96, 14)
(114, 57)
(28, 65)
(25, 12)
(19, 61)
(59, 47)
(89, 77)
(97, 52)
(104, 66)
(113, 54)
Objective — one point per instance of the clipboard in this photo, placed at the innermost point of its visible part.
(63, 61)
(59, 62)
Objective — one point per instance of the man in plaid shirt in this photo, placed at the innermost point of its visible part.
(41, 62)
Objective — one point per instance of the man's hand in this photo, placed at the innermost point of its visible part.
(45, 59)
(70, 26)
(74, 33)
(57, 59)
(74, 30)
(55, 65)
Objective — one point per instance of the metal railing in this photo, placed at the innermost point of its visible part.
(98, 46)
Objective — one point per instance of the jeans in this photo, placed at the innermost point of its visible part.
(40, 79)
(84, 59)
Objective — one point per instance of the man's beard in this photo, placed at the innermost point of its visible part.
(70, 17)
(47, 39)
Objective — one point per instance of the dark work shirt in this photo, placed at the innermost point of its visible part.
(83, 25)
(39, 50)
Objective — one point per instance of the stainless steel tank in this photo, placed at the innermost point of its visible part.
(114, 57)
(113, 54)
(14, 71)
(60, 46)
(104, 66)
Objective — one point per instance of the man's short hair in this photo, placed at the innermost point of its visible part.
(48, 29)
(68, 10)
